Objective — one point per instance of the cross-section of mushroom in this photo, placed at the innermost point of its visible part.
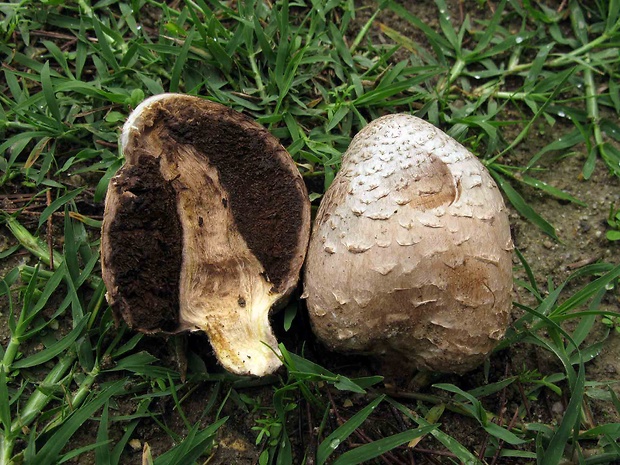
(205, 228)
(410, 257)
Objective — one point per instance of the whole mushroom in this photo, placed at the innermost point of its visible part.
(410, 256)
(205, 228)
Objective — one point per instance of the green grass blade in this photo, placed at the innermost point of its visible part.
(39, 399)
(102, 452)
(503, 434)
(16, 90)
(464, 455)
(55, 349)
(115, 457)
(5, 409)
(378, 96)
(192, 447)
(341, 48)
(612, 429)
(590, 352)
(446, 26)
(177, 403)
(59, 56)
(301, 367)
(438, 42)
(129, 345)
(530, 275)
(59, 202)
(587, 292)
(492, 388)
(49, 94)
(375, 449)
(489, 30)
(554, 346)
(551, 190)
(51, 286)
(571, 420)
(481, 415)
(537, 66)
(143, 363)
(71, 251)
(579, 23)
(51, 449)
(538, 184)
(340, 434)
(71, 455)
(611, 155)
(33, 244)
(522, 206)
(400, 39)
(134, 362)
(613, 17)
(180, 61)
(198, 24)
(280, 404)
(104, 44)
(587, 322)
(559, 82)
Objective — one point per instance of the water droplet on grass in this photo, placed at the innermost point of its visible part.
(519, 39)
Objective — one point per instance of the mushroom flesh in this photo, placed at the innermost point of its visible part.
(410, 256)
(205, 228)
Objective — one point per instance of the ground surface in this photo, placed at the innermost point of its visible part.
(157, 410)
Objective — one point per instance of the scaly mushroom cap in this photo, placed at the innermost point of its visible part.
(205, 228)
(410, 257)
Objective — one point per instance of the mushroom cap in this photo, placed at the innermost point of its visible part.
(206, 227)
(410, 256)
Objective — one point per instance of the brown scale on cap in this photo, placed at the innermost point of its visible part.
(231, 226)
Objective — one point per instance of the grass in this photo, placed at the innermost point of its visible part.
(314, 76)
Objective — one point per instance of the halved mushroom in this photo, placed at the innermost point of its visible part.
(205, 228)
(410, 257)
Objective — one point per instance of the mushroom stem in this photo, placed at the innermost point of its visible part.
(243, 342)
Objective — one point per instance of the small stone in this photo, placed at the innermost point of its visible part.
(557, 408)
(547, 244)
(135, 444)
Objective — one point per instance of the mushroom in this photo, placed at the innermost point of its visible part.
(410, 256)
(205, 227)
